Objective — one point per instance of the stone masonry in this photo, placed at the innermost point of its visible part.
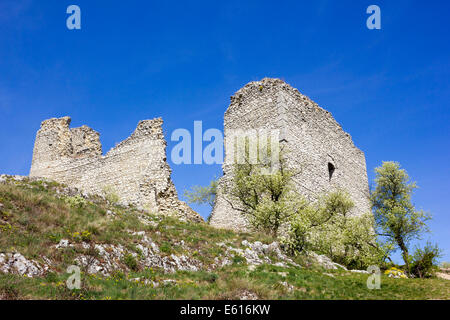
(318, 147)
(136, 169)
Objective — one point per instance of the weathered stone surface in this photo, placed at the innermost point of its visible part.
(136, 169)
(322, 153)
(63, 243)
(109, 258)
(324, 261)
(255, 253)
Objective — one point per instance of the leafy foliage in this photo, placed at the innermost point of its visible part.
(76, 202)
(328, 228)
(130, 261)
(202, 195)
(261, 189)
(110, 194)
(272, 205)
(267, 200)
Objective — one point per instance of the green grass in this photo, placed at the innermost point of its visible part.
(34, 218)
(227, 283)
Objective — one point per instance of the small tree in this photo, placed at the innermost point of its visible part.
(272, 204)
(202, 195)
(396, 217)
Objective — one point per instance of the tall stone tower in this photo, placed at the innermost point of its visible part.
(136, 169)
(322, 152)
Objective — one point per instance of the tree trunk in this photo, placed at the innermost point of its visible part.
(405, 254)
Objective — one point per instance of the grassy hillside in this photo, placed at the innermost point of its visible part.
(129, 254)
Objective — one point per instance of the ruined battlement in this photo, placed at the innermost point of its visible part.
(318, 148)
(135, 170)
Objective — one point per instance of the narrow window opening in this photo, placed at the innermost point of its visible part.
(331, 169)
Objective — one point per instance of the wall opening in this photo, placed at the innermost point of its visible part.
(331, 170)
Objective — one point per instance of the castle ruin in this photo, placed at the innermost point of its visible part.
(325, 155)
(136, 169)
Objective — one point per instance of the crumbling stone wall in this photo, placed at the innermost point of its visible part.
(318, 147)
(136, 169)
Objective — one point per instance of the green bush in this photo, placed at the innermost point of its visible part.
(130, 262)
(271, 204)
(75, 202)
(165, 247)
(237, 259)
(265, 195)
(327, 227)
(424, 261)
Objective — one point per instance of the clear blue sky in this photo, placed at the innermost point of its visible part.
(182, 60)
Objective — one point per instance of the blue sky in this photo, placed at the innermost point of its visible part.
(182, 60)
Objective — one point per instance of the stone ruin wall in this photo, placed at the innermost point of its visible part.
(136, 169)
(314, 140)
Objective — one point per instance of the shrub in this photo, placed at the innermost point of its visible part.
(202, 195)
(75, 202)
(130, 261)
(327, 227)
(271, 204)
(81, 236)
(424, 261)
(110, 194)
(8, 292)
(394, 272)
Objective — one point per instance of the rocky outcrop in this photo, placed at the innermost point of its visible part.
(16, 263)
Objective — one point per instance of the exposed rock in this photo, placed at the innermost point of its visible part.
(442, 275)
(18, 178)
(64, 243)
(110, 213)
(324, 261)
(256, 253)
(251, 267)
(111, 257)
(359, 271)
(154, 284)
(169, 282)
(146, 220)
(248, 295)
(288, 286)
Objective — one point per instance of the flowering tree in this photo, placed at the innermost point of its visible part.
(396, 217)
